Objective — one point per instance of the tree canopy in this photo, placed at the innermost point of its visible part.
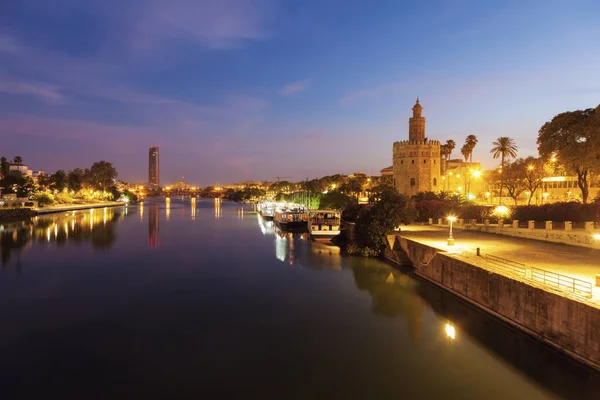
(573, 138)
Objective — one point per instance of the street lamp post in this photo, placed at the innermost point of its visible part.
(451, 219)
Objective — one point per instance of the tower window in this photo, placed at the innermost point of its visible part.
(434, 182)
(413, 161)
(434, 161)
(401, 161)
(424, 161)
(412, 182)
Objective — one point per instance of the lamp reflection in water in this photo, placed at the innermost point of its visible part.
(450, 331)
(167, 208)
(218, 212)
(153, 228)
(193, 208)
(142, 211)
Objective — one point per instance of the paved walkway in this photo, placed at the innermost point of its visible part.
(576, 262)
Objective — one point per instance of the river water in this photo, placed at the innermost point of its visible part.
(185, 300)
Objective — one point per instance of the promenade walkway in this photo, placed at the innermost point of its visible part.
(575, 262)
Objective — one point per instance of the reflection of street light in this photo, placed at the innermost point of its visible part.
(450, 331)
(451, 219)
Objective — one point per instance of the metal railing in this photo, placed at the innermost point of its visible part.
(562, 282)
(506, 265)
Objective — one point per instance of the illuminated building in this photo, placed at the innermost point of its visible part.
(416, 161)
(153, 167)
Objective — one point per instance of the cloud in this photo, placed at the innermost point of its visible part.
(374, 93)
(8, 44)
(222, 24)
(43, 91)
(293, 88)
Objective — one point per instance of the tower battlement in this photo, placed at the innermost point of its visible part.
(417, 143)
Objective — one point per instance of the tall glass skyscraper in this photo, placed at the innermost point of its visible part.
(153, 167)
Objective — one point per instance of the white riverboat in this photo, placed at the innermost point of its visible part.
(266, 209)
(290, 217)
(324, 225)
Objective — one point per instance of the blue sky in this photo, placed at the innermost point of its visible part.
(240, 89)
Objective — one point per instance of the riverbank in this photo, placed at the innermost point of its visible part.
(558, 310)
(75, 207)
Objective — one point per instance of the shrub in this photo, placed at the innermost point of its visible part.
(468, 212)
(63, 198)
(433, 209)
(44, 199)
(559, 212)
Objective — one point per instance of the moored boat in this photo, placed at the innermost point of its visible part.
(266, 209)
(291, 217)
(324, 225)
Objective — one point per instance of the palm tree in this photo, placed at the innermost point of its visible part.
(18, 160)
(450, 145)
(464, 150)
(504, 147)
(471, 141)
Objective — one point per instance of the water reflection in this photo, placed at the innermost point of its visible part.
(153, 227)
(94, 227)
(218, 210)
(394, 294)
(193, 207)
(167, 208)
(266, 227)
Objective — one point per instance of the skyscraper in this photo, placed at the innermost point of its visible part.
(153, 167)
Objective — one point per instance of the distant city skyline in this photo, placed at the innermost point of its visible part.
(240, 90)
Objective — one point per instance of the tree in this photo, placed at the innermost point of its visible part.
(354, 186)
(533, 169)
(75, 179)
(450, 145)
(504, 147)
(59, 180)
(4, 166)
(102, 175)
(513, 175)
(336, 201)
(471, 142)
(18, 160)
(464, 150)
(574, 138)
(392, 210)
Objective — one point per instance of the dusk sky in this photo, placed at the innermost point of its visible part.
(238, 89)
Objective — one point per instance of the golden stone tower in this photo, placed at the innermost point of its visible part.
(417, 160)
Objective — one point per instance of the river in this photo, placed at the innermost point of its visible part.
(184, 300)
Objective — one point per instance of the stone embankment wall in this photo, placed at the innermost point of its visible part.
(567, 324)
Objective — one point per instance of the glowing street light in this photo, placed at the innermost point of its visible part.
(451, 219)
(596, 236)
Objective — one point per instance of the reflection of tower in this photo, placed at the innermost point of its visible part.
(153, 167)
(153, 233)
